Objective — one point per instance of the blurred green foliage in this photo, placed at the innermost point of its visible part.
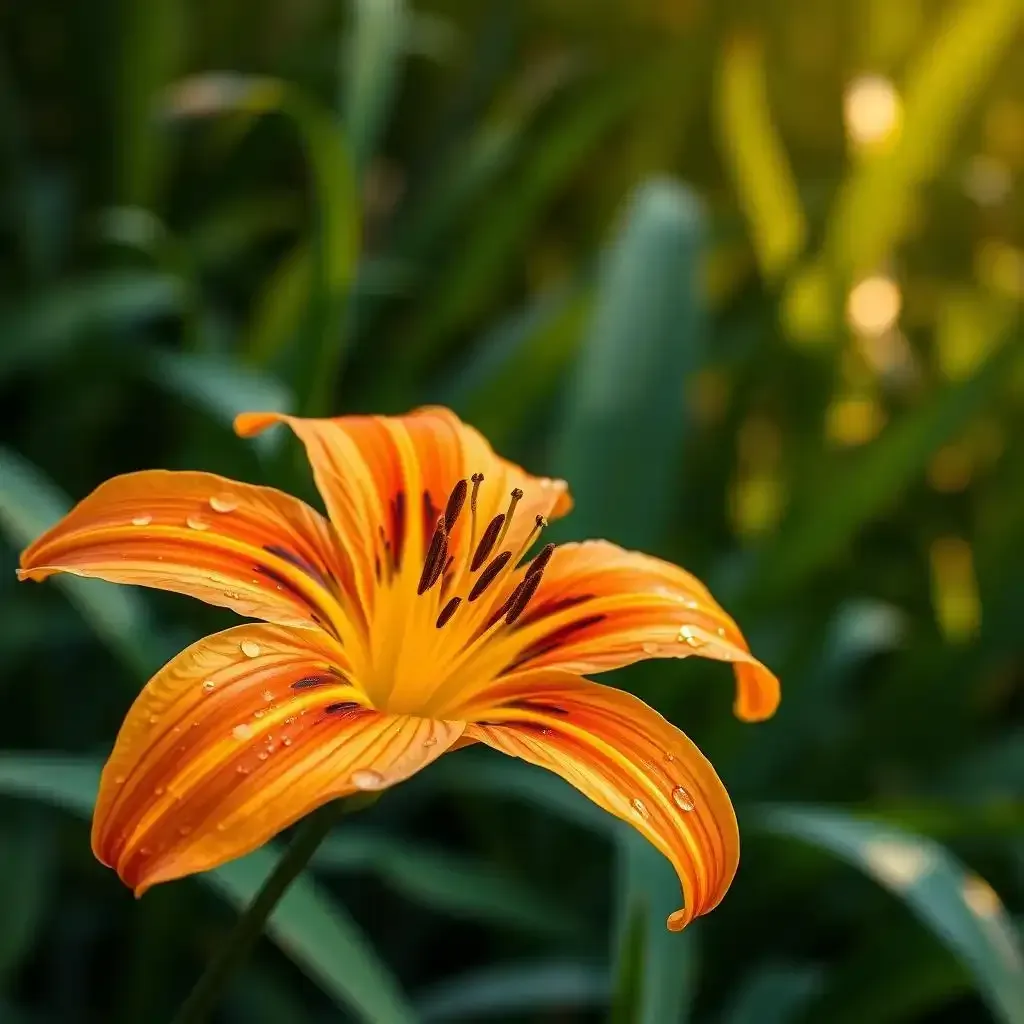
(747, 274)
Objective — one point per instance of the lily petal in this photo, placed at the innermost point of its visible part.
(256, 550)
(394, 475)
(238, 737)
(627, 759)
(600, 607)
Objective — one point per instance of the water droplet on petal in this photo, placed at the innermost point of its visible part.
(682, 799)
(159, 791)
(258, 713)
(263, 755)
(721, 630)
(690, 603)
(268, 696)
(195, 523)
(208, 685)
(649, 648)
(367, 778)
(224, 503)
(153, 719)
(250, 648)
(687, 636)
(242, 731)
(670, 757)
(242, 770)
(184, 830)
(286, 741)
(430, 741)
(641, 808)
(142, 520)
(221, 826)
(119, 780)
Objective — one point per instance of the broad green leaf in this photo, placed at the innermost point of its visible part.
(755, 156)
(315, 361)
(307, 925)
(30, 504)
(446, 882)
(526, 988)
(623, 427)
(217, 385)
(26, 881)
(834, 507)
(958, 906)
(45, 328)
(775, 994)
(371, 67)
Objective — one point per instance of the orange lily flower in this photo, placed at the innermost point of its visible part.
(407, 624)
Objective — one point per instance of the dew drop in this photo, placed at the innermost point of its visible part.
(153, 719)
(430, 741)
(222, 826)
(268, 696)
(690, 603)
(286, 741)
(367, 778)
(682, 799)
(184, 830)
(242, 770)
(145, 851)
(159, 791)
(224, 503)
(195, 523)
(142, 520)
(687, 636)
(242, 731)
(641, 808)
(250, 648)
(670, 757)
(119, 780)
(258, 713)
(721, 630)
(649, 648)
(208, 685)
(289, 720)
(263, 755)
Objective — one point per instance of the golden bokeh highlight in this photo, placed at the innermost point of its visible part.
(955, 595)
(872, 111)
(873, 305)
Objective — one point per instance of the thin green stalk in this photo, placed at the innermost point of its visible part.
(309, 834)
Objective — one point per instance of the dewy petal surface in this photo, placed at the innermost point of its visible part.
(627, 759)
(600, 607)
(238, 737)
(255, 550)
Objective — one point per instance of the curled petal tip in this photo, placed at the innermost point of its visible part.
(677, 920)
(758, 693)
(249, 424)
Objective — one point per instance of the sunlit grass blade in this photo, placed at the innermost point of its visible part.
(451, 884)
(959, 907)
(523, 988)
(30, 504)
(315, 361)
(370, 69)
(307, 925)
(755, 156)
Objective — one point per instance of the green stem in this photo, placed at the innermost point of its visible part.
(308, 835)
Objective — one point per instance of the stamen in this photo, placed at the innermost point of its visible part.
(398, 528)
(529, 588)
(455, 502)
(434, 563)
(487, 541)
(489, 574)
(514, 499)
(343, 705)
(447, 612)
(308, 682)
(478, 479)
(542, 559)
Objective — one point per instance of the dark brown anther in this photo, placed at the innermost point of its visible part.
(343, 705)
(518, 606)
(487, 577)
(455, 502)
(447, 612)
(308, 682)
(487, 541)
(437, 555)
(541, 561)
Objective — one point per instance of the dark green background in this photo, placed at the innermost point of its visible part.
(619, 238)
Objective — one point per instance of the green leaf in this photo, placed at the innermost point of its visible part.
(624, 412)
(30, 504)
(836, 505)
(959, 907)
(371, 71)
(316, 360)
(454, 885)
(306, 925)
(755, 157)
(217, 385)
(26, 881)
(516, 989)
(45, 328)
(774, 994)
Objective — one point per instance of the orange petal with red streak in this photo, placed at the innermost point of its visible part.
(256, 550)
(600, 607)
(238, 737)
(631, 762)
